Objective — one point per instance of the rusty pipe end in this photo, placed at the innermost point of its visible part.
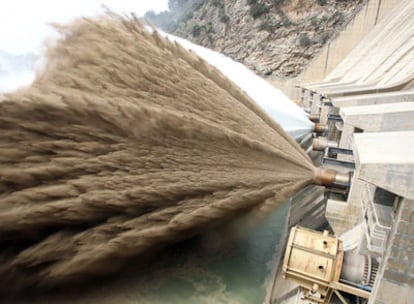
(321, 143)
(332, 178)
(324, 177)
(314, 118)
(320, 128)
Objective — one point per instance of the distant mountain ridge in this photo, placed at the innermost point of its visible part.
(272, 37)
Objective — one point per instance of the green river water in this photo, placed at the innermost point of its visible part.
(238, 273)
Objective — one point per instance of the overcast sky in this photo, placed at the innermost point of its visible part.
(24, 23)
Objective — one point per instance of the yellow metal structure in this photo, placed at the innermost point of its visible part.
(314, 260)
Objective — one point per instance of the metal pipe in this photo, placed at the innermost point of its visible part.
(343, 179)
(333, 178)
(314, 118)
(324, 177)
(321, 143)
(320, 128)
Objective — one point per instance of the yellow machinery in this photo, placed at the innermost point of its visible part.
(315, 260)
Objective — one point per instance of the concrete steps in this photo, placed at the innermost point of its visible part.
(383, 60)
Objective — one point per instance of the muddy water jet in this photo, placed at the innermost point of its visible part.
(125, 143)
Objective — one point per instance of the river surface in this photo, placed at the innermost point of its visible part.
(232, 270)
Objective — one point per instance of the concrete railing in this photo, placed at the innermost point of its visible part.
(376, 230)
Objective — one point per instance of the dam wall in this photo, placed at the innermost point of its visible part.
(336, 50)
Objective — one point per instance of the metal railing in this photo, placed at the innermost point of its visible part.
(376, 231)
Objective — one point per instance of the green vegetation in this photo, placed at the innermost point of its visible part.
(268, 27)
(209, 28)
(285, 20)
(258, 9)
(323, 37)
(270, 24)
(341, 18)
(196, 31)
(187, 17)
(203, 14)
(197, 5)
(304, 40)
(223, 16)
(217, 3)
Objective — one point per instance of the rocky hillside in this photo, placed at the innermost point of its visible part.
(272, 37)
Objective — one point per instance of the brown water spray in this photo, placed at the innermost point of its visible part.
(127, 142)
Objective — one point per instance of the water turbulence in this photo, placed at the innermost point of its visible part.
(127, 142)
